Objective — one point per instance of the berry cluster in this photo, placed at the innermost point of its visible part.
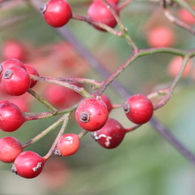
(64, 96)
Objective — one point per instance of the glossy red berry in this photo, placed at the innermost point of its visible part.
(31, 70)
(10, 148)
(68, 145)
(9, 63)
(110, 135)
(11, 117)
(28, 164)
(15, 81)
(99, 12)
(91, 114)
(13, 49)
(57, 12)
(138, 109)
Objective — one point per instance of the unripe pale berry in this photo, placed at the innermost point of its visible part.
(68, 144)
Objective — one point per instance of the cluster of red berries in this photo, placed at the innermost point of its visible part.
(57, 13)
(91, 114)
(14, 77)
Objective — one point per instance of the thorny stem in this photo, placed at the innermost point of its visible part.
(64, 125)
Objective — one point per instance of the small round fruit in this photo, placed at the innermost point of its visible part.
(57, 12)
(67, 145)
(91, 114)
(28, 164)
(15, 81)
(10, 148)
(11, 117)
(138, 109)
(99, 12)
(31, 70)
(175, 65)
(161, 36)
(9, 63)
(110, 135)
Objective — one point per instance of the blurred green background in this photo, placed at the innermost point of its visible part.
(144, 163)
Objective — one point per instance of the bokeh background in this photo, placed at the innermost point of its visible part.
(145, 163)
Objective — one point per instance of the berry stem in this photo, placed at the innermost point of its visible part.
(42, 100)
(43, 115)
(178, 22)
(82, 134)
(99, 24)
(65, 119)
(92, 82)
(44, 132)
(77, 89)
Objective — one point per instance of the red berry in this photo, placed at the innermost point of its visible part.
(99, 12)
(10, 148)
(161, 36)
(67, 145)
(110, 135)
(11, 117)
(91, 114)
(28, 164)
(138, 109)
(31, 70)
(15, 81)
(57, 12)
(9, 63)
(13, 49)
